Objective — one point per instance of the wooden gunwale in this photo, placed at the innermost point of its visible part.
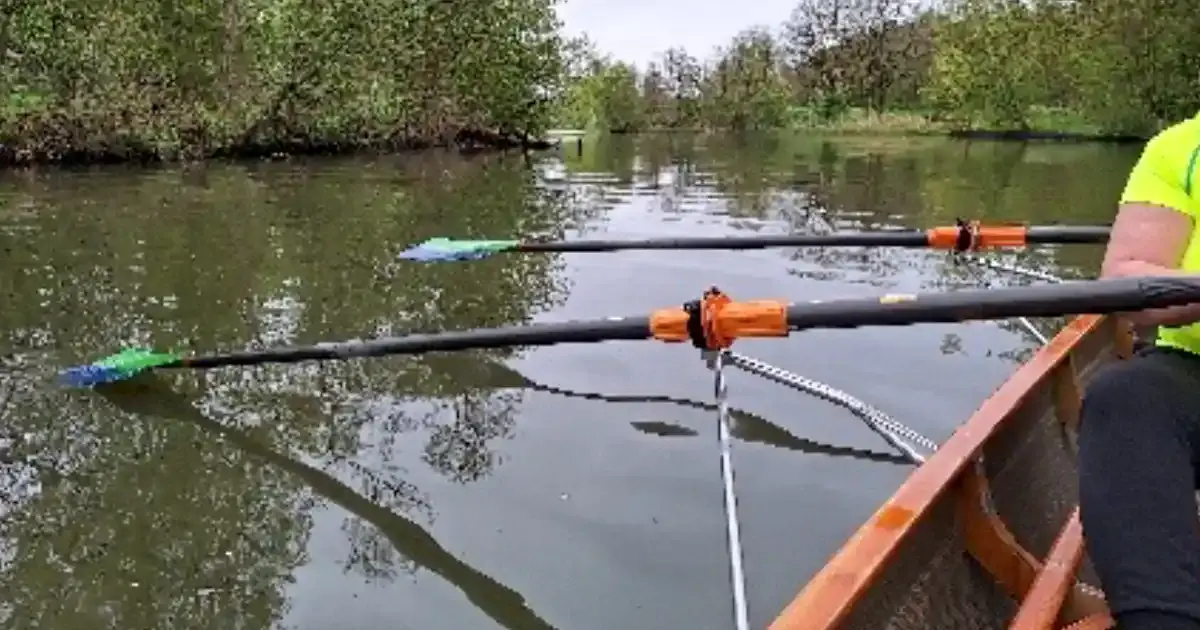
(832, 593)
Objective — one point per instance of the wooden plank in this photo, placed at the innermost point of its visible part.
(1040, 609)
(989, 540)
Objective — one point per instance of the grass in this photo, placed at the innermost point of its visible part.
(915, 122)
(860, 121)
(1060, 119)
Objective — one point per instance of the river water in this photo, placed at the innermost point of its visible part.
(508, 489)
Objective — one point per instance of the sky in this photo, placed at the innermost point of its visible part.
(639, 30)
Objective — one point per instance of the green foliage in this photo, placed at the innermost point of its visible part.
(1101, 66)
(1125, 66)
(606, 99)
(823, 61)
(196, 78)
(746, 90)
(983, 67)
(134, 78)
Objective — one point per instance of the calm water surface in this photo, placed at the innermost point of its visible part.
(519, 489)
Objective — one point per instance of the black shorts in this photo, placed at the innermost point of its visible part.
(1139, 454)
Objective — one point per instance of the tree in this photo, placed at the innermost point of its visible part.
(656, 100)
(683, 76)
(135, 78)
(745, 89)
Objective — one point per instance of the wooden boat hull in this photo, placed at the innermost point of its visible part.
(985, 535)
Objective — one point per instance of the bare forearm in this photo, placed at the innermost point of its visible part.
(1173, 316)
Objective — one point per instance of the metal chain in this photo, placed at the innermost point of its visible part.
(983, 262)
(1013, 269)
(896, 433)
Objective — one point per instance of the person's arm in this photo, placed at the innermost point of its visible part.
(1152, 229)
(1149, 241)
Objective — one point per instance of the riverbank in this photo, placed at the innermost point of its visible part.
(1043, 124)
(59, 140)
(52, 139)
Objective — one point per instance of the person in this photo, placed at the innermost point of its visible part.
(1139, 441)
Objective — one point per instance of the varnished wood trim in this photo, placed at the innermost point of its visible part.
(832, 593)
(1123, 344)
(989, 540)
(1041, 606)
(1068, 401)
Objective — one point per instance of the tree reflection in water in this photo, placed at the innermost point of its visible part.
(110, 519)
(147, 396)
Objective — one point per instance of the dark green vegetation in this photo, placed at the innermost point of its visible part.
(137, 80)
(87, 81)
(1100, 67)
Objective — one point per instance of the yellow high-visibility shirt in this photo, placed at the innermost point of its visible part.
(1166, 175)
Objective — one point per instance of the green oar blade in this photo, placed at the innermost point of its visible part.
(445, 249)
(117, 367)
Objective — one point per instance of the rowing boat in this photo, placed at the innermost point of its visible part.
(985, 534)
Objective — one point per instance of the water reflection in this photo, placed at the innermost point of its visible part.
(143, 527)
(744, 426)
(148, 397)
(811, 184)
(958, 272)
(114, 519)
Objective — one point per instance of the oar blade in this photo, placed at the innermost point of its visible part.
(118, 367)
(450, 250)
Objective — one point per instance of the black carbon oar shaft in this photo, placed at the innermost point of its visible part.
(611, 329)
(1096, 297)
(768, 319)
(938, 238)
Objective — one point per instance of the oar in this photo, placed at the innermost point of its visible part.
(714, 322)
(962, 237)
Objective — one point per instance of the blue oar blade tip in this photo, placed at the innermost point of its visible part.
(84, 376)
